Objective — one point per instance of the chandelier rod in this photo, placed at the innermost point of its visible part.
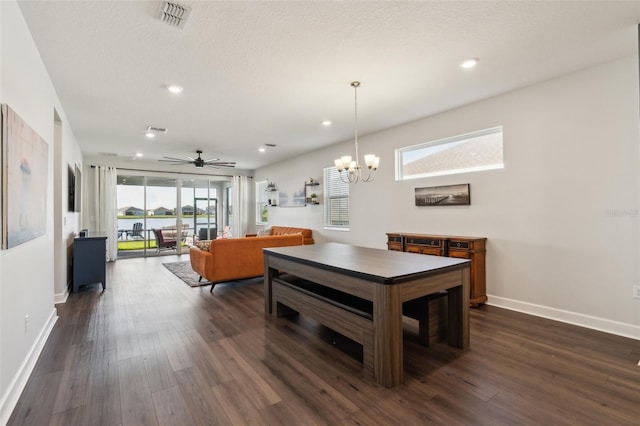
(355, 85)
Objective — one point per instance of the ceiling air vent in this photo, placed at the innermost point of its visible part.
(173, 14)
(156, 130)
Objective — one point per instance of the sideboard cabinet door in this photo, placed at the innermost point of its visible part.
(474, 250)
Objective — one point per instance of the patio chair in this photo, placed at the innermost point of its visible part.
(136, 231)
(162, 243)
(202, 233)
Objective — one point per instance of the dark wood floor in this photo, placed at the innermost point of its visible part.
(151, 350)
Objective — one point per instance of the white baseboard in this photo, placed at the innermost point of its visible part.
(61, 297)
(582, 320)
(11, 396)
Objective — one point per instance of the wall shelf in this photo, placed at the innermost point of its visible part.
(307, 192)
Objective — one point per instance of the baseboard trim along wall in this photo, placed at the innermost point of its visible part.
(61, 297)
(10, 398)
(574, 318)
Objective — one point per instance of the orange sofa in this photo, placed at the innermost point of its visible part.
(237, 258)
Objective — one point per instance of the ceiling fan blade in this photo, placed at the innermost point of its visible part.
(211, 160)
(173, 159)
(228, 164)
(190, 158)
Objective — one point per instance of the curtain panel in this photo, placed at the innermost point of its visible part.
(240, 194)
(105, 207)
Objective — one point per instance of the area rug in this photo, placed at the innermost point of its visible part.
(183, 271)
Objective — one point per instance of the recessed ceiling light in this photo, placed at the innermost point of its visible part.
(326, 123)
(262, 148)
(139, 154)
(175, 89)
(470, 63)
(150, 135)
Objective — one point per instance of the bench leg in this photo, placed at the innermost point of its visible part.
(284, 310)
(423, 325)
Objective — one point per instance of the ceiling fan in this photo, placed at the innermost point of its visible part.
(199, 162)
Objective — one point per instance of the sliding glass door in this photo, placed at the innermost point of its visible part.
(200, 208)
(147, 220)
(150, 223)
(163, 232)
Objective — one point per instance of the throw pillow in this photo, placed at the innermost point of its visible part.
(203, 244)
(264, 232)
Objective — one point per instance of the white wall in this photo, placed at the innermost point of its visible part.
(27, 275)
(561, 218)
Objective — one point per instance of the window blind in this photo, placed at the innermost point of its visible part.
(336, 200)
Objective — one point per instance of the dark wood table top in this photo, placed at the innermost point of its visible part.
(382, 266)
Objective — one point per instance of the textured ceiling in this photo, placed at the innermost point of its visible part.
(270, 72)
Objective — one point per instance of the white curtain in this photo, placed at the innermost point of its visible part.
(240, 203)
(105, 209)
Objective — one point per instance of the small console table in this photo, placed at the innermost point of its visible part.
(89, 261)
(472, 248)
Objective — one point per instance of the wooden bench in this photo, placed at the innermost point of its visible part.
(352, 316)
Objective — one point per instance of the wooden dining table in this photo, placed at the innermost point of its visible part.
(386, 279)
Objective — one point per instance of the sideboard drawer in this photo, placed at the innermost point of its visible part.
(462, 245)
(424, 241)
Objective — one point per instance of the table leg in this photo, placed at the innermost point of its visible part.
(268, 278)
(387, 329)
(458, 313)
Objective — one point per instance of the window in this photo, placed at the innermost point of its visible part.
(262, 212)
(459, 154)
(336, 197)
(229, 214)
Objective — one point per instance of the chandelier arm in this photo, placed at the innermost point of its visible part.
(370, 176)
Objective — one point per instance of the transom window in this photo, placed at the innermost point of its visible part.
(471, 152)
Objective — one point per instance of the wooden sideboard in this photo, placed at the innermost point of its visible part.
(472, 248)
